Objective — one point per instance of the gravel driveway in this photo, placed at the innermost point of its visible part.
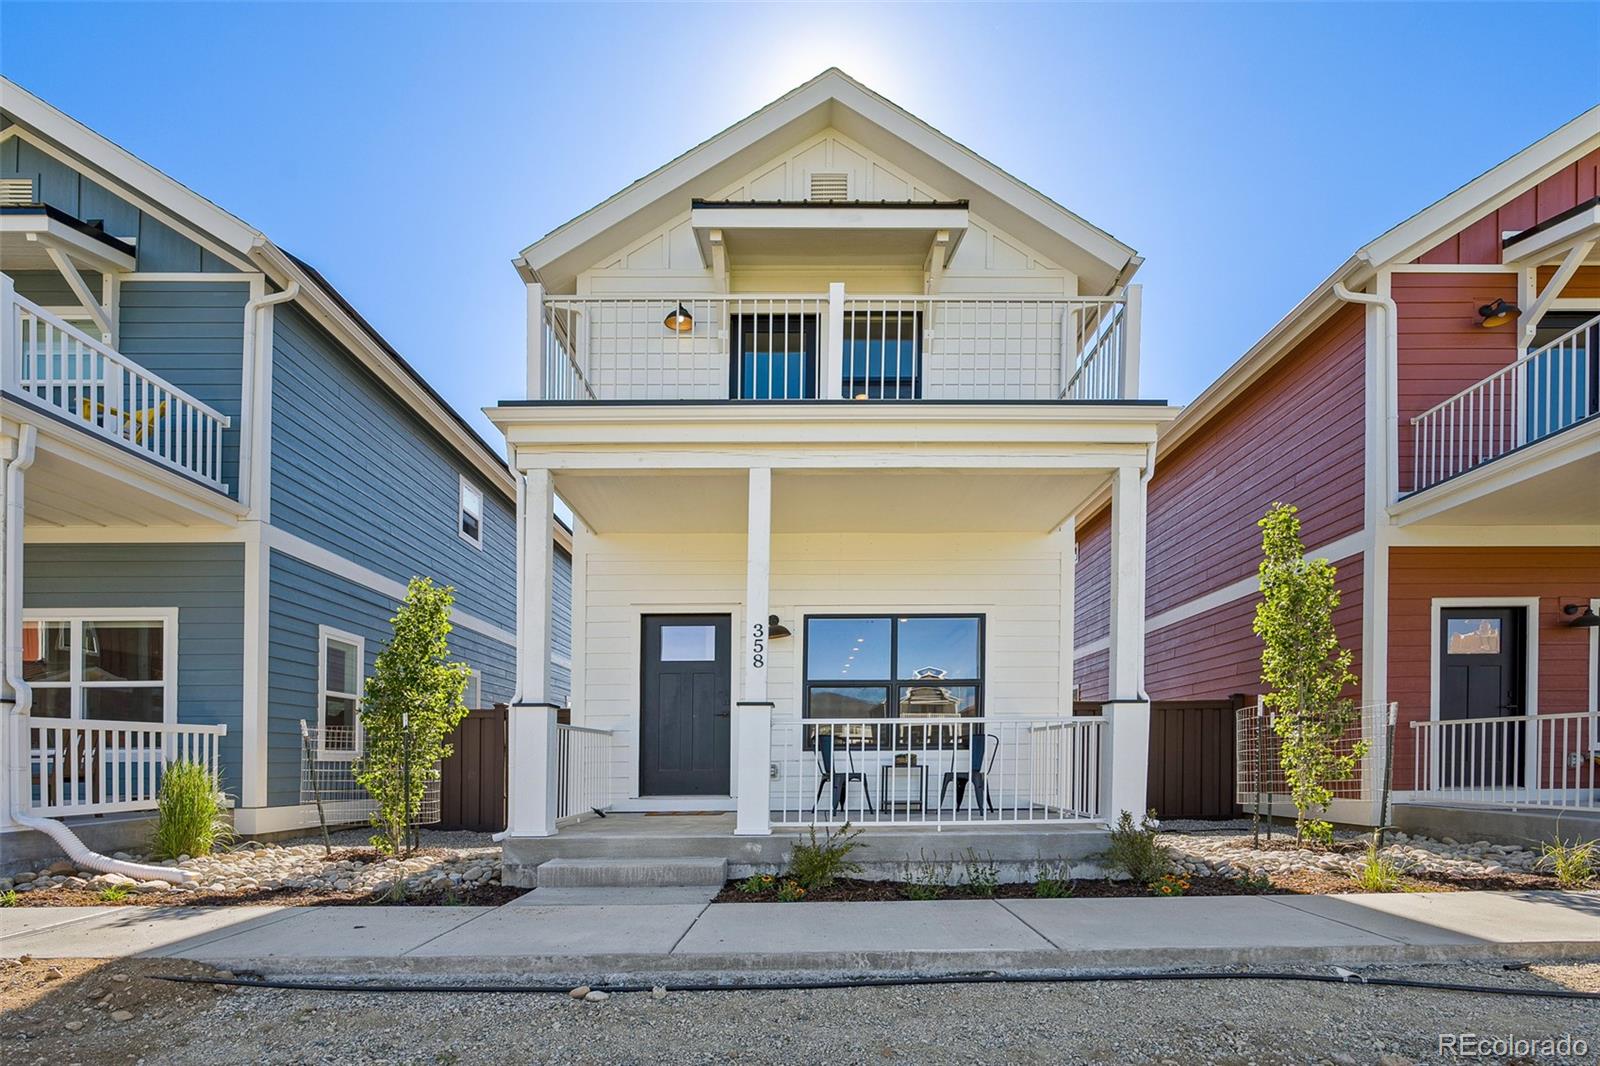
(1172, 1022)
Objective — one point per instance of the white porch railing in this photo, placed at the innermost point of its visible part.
(798, 347)
(80, 767)
(931, 772)
(584, 759)
(94, 386)
(1542, 393)
(1537, 760)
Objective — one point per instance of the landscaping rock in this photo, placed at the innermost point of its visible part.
(579, 992)
(597, 996)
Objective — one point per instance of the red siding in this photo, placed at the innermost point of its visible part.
(1091, 675)
(1091, 608)
(1296, 436)
(1583, 285)
(1480, 242)
(1214, 655)
(1418, 575)
(1443, 346)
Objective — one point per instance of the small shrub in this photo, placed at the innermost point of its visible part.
(791, 892)
(979, 874)
(1255, 882)
(926, 880)
(1054, 880)
(1169, 885)
(190, 816)
(1573, 865)
(1378, 873)
(113, 893)
(9, 898)
(756, 884)
(1136, 852)
(818, 864)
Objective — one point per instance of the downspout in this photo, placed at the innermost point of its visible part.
(252, 309)
(76, 850)
(1144, 487)
(1391, 432)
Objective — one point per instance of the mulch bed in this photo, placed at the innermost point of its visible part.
(1305, 883)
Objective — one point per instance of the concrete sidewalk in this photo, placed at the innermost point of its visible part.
(672, 939)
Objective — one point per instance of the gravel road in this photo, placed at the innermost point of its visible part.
(1234, 1023)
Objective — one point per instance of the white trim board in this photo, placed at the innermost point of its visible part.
(75, 617)
(336, 564)
(1343, 548)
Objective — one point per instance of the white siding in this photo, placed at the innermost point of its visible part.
(1014, 580)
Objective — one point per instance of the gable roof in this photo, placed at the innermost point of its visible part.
(1399, 244)
(247, 248)
(832, 100)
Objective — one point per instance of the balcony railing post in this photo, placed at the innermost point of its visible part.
(10, 335)
(1130, 344)
(831, 386)
(536, 339)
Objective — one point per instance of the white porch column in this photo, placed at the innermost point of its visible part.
(753, 724)
(531, 727)
(536, 354)
(1125, 768)
(11, 742)
(831, 387)
(1129, 385)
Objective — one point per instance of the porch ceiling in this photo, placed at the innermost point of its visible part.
(805, 501)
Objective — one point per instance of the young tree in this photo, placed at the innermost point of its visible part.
(1305, 670)
(413, 700)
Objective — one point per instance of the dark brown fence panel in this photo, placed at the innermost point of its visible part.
(1191, 760)
(472, 791)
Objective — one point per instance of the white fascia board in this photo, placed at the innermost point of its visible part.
(125, 167)
(96, 255)
(810, 216)
(1546, 244)
(1499, 184)
(831, 88)
(356, 340)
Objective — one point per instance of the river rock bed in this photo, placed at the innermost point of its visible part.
(1231, 853)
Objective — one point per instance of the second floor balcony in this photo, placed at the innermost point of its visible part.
(834, 346)
(80, 381)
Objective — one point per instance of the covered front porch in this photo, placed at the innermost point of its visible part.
(795, 617)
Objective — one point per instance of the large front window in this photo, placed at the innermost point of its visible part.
(883, 355)
(105, 666)
(893, 666)
(774, 357)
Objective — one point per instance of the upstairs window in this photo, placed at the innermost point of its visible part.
(883, 355)
(774, 357)
(471, 514)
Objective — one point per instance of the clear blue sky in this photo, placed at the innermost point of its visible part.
(410, 151)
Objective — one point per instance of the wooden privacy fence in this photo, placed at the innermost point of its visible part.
(472, 788)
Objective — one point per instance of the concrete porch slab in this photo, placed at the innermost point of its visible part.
(1524, 826)
(613, 897)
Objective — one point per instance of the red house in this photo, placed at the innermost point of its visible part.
(1431, 408)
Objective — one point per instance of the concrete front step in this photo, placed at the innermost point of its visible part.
(631, 873)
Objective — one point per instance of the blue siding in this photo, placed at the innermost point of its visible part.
(305, 597)
(192, 334)
(356, 472)
(157, 246)
(204, 581)
(561, 627)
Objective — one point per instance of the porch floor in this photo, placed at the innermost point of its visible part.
(884, 850)
(1505, 823)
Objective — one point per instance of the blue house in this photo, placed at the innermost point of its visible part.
(218, 479)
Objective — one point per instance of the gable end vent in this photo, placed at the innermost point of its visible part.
(830, 186)
(16, 191)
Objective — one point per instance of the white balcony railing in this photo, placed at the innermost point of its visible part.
(835, 346)
(936, 772)
(1540, 394)
(80, 767)
(94, 386)
(1530, 760)
(584, 770)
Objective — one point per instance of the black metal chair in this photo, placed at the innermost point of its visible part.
(976, 774)
(841, 781)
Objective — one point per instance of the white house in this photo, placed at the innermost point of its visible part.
(824, 394)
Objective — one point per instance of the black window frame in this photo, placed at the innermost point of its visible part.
(809, 348)
(894, 683)
(861, 386)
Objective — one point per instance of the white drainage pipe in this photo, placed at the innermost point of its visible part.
(76, 850)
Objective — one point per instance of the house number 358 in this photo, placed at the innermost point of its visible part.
(758, 646)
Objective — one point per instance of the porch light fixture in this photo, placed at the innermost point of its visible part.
(775, 628)
(679, 320)
(1498, 313)
(1581, 616)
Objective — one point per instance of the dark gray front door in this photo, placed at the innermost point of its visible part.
(685, 702)
(1482, 657)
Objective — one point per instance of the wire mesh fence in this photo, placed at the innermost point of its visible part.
(1258, 756)
(329, 760)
